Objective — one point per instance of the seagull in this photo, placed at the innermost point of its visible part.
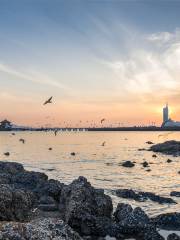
(102, 120)
(103, 144)
(22, 140)
(55, 132)
(48, 101)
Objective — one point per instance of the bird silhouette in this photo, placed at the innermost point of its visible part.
(102, 120)
(48, 101)
(22, 140)
(103, 144)
(55, 132)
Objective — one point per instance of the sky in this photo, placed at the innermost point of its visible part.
(112, 59)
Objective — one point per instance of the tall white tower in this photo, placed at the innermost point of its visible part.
(165, 114)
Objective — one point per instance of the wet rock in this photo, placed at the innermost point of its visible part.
(141, 149)
(73, 154)
(142, 196)
(145, 164)
(154, 156)
(175, 194)
(128, 164)
(169, 221)
(149, 142)
(81, 204)
(40, 229)
(6, 153)
(169, 147)
(131, 220)
(173, 236)
(169, 161)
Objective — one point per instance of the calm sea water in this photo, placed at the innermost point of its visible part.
(101, 165)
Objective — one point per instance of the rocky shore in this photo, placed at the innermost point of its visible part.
(169, 147)
(35, 207)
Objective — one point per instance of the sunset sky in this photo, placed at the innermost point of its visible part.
(118, 60)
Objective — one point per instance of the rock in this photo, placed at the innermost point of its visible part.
(149, 142)
(47, 203)
(29, 180)
(50, 149)
(150, 234)
(154, 156)
(169, 221)
(11, 167)
(128, 164)
(169, 161)
(73, 154)
(5, 178)
(49, 188)
(142, 196)
(145, 164)
(80, 205)
(173, 236)
(15, 204)
(141, 149)
(40, 229)
(169, 147)
(6, 153)
(131, 220)
(175, 194)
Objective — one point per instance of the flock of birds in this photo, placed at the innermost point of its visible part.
(56, 130)
(48, 101)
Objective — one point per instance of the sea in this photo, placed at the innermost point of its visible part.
(101, 165)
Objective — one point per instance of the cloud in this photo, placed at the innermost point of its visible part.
(150, 70)
(33, 76)
(160, 37)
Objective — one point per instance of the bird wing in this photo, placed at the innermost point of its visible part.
(48, 101)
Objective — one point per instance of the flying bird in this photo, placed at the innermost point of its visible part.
(48, 101)
(22, 140)
(102, 120)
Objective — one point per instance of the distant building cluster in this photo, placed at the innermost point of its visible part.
(168, 122)
(5, 125)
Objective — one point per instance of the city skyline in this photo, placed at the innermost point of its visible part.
(114, 59)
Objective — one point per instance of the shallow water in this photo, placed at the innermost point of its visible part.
(99, 164)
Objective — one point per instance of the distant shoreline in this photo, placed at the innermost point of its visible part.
(113, 129)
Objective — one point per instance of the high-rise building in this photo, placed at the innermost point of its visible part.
(165, 114)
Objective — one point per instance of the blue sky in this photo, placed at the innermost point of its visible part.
(95, 57)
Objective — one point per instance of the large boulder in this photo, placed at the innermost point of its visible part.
(81, 204)
(11, 167)
(169, 147)
(131, 220)
(142, 196)
(15, 204)
(40, 229)
(169, 221)
(29, 180)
